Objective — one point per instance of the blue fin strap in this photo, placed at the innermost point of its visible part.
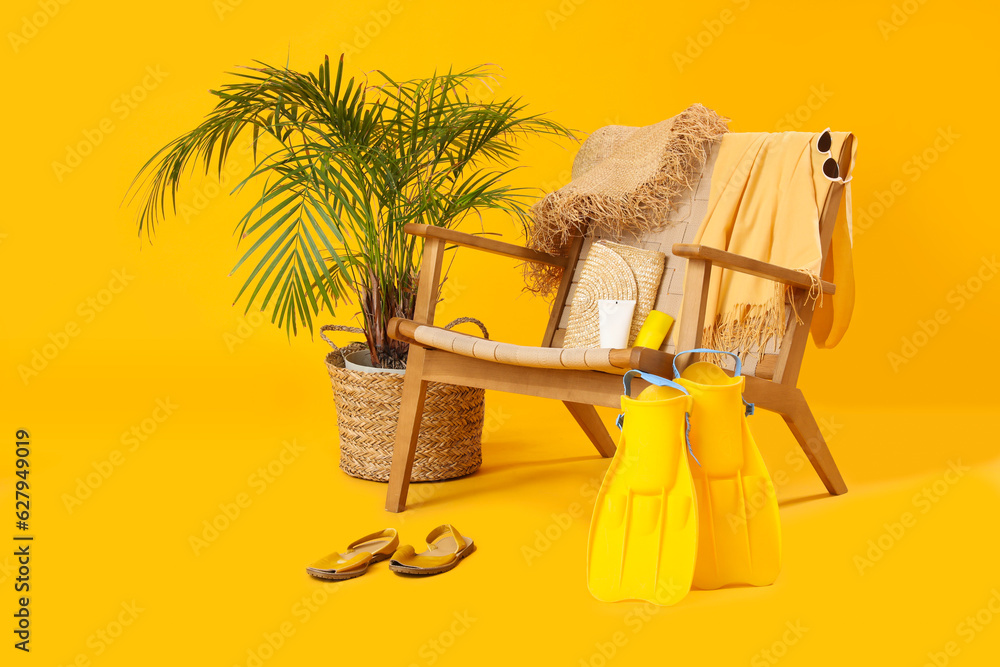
(736, 371)
(705, 350)
(651, 379)
(687, 437)
(660, 382)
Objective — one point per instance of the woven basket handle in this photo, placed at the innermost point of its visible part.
(341, 327)
(337, 327)
(462, 320)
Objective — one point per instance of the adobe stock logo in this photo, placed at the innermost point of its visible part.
(712, 28)
(923, 501)
(915, 167)
(121, 108)
(900, 16)
(131, 441)
(779, 648)
(802, 114)
(956, 299)
(231, 510)
(34, 22)
(60, 339)
(373, 25)
(245, 327)
(561, 13)
(102, 639)
(967, 630)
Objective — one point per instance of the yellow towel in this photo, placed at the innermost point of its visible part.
(767, 194)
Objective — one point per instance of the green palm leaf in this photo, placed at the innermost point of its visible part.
(343, 166)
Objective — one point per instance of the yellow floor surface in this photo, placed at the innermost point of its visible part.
(191, 545)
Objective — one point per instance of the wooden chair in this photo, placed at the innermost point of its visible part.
(582, 379)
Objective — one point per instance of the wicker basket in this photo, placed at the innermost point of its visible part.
(451, 429)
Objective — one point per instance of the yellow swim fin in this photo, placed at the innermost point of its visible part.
(739, 531)
(644, 530)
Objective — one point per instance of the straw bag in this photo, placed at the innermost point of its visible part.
(451, 428)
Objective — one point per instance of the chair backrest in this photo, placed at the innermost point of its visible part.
(681, 226)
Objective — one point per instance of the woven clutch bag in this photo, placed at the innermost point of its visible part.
(613, 271)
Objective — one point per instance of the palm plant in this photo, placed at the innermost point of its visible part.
(343, 167)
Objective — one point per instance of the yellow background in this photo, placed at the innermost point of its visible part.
(910, 79)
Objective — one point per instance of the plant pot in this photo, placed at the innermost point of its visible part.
(361, 360)
(368, 400)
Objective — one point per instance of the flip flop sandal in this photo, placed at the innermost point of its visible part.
(446, 547)
(360, 554)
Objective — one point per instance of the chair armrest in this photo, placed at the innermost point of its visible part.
(639, 358)
(488, 245)
(734, 262)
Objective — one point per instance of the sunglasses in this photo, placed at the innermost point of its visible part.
(830, 167)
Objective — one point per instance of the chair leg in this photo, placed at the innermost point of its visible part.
(588, 419)
(805, 429)
(411, 409)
